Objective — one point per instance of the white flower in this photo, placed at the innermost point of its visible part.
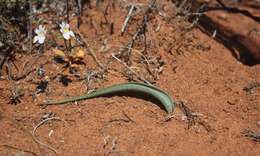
(40, 34)
(65, 30)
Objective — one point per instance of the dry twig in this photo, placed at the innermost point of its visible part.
(252, 135)
(130, 69)
(126, 52)
(37, 140)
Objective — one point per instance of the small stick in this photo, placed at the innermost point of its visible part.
(179, 9)
(79, 12)
(128, 17)
(66, 46)
(37, 140)
(67, 11)
(140, 77)
(19, 149)
(90, 50)
(30, 26)
(252, 135)
(27, 69)
(148, 66)
(142, 28)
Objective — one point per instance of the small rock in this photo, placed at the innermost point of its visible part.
(1, 44)
(258, 123)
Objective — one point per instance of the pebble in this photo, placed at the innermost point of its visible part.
(258, 123)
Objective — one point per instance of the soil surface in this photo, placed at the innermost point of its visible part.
(191, 66)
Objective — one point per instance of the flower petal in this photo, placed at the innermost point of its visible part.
(41, 39)
(66, 36)
(71, 33)
(37, 31)
(35, 39)
(63, 25)
(67, 25)
(40, 27)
